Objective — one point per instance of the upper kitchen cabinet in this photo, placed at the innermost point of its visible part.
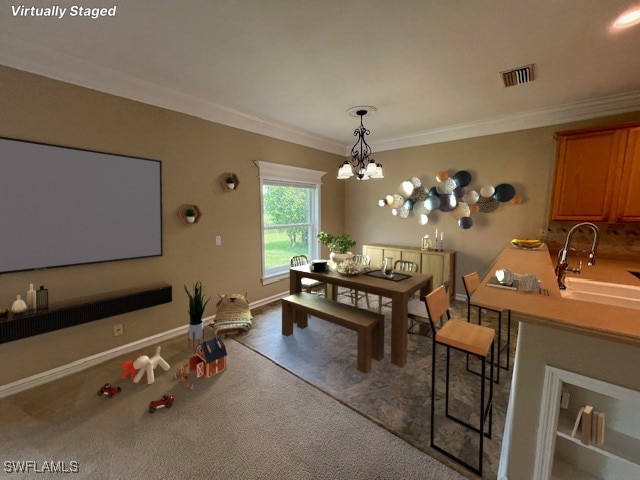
(628, 206)
(595, 173)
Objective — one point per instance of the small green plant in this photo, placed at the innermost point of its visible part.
(230, 179)
(337, 244)
(189, 212)
(197, 303)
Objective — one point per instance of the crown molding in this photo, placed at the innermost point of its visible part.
(24, 55)
(542, 117)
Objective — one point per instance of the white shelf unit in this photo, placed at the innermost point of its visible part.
(566, 457)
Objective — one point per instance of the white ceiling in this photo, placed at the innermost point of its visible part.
(291, 68)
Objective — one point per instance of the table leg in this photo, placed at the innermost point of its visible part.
(399, 315)
(295, 286)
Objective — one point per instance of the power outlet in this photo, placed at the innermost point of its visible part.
(218, 240)
(118, 329)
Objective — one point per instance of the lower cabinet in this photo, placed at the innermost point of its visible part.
(439, 264)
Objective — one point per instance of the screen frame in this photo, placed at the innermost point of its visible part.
(121, 156)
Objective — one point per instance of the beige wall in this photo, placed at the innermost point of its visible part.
(525, 159)
(194, 153)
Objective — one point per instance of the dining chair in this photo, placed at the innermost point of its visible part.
(418, 314)
(467, 338)
(355, 295)
(471, 282)
(308, 284)
(398, 266)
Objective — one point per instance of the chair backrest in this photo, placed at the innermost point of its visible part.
(405, 266)
(362, 259)
(471, 281)
(437, 303)
(299, 260)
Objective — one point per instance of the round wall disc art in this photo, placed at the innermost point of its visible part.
(487, 204)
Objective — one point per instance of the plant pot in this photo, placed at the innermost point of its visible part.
(336, 258)
(191, 219)
(196, 332)
(231, 186)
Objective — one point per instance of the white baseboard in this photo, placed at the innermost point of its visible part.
(92, 360)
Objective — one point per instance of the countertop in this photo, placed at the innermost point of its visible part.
(612, 322)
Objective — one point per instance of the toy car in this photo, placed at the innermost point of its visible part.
(108, 390)
(165, 401)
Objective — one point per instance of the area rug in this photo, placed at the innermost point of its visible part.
(397, 398)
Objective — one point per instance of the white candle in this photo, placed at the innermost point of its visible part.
(440, 236)
(436, 234)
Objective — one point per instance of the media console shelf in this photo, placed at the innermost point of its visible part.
(83, 310)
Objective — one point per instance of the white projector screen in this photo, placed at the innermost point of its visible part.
(63, 206)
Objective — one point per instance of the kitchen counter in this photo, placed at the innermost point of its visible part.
(611, 322)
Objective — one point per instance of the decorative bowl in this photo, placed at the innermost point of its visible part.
(349, 268)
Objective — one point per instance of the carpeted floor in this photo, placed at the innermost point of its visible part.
(253, 421)
(396, 398)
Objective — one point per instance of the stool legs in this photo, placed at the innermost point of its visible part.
(486, 410)
(501, 348)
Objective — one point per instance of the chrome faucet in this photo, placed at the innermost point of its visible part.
(563, 266)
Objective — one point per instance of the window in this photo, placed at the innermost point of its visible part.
(290, 200)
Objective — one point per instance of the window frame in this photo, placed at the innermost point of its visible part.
(275, 173)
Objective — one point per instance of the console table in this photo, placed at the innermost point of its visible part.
(82, 310)
(441, 265)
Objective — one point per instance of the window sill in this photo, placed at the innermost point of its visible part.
(275, 278)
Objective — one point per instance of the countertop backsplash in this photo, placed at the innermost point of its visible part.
(616, 240)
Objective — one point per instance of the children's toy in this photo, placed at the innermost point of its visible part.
(233, 315)
(183, 375)
(165, 401)
(128, 370)
(108, 390)
(146, 365)
(210, 358)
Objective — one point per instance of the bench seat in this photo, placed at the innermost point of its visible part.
(369, 325)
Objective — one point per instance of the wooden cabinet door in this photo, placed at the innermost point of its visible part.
(628, 207)
(376, 254)
(585, 182)
(394, 253)
(433, 264)
(410, 256)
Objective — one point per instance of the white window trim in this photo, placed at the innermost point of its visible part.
(305, 176)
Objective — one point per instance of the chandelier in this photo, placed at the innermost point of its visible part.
(361, 164)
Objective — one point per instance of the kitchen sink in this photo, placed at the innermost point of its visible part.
(620, 295)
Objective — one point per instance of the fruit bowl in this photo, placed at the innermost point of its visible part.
(527, 243)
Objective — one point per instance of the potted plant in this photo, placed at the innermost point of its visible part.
(197, 304)
(338, 245)
(190, 215)
(230, 181)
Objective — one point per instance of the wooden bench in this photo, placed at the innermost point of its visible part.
(369, 325)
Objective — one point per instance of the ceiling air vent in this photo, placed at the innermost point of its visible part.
(517, 76)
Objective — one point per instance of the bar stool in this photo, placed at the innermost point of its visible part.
(467, 338)
(471, 282)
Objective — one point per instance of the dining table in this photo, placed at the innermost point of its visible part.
(399, 288)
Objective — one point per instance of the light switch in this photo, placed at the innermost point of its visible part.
(218, 240)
